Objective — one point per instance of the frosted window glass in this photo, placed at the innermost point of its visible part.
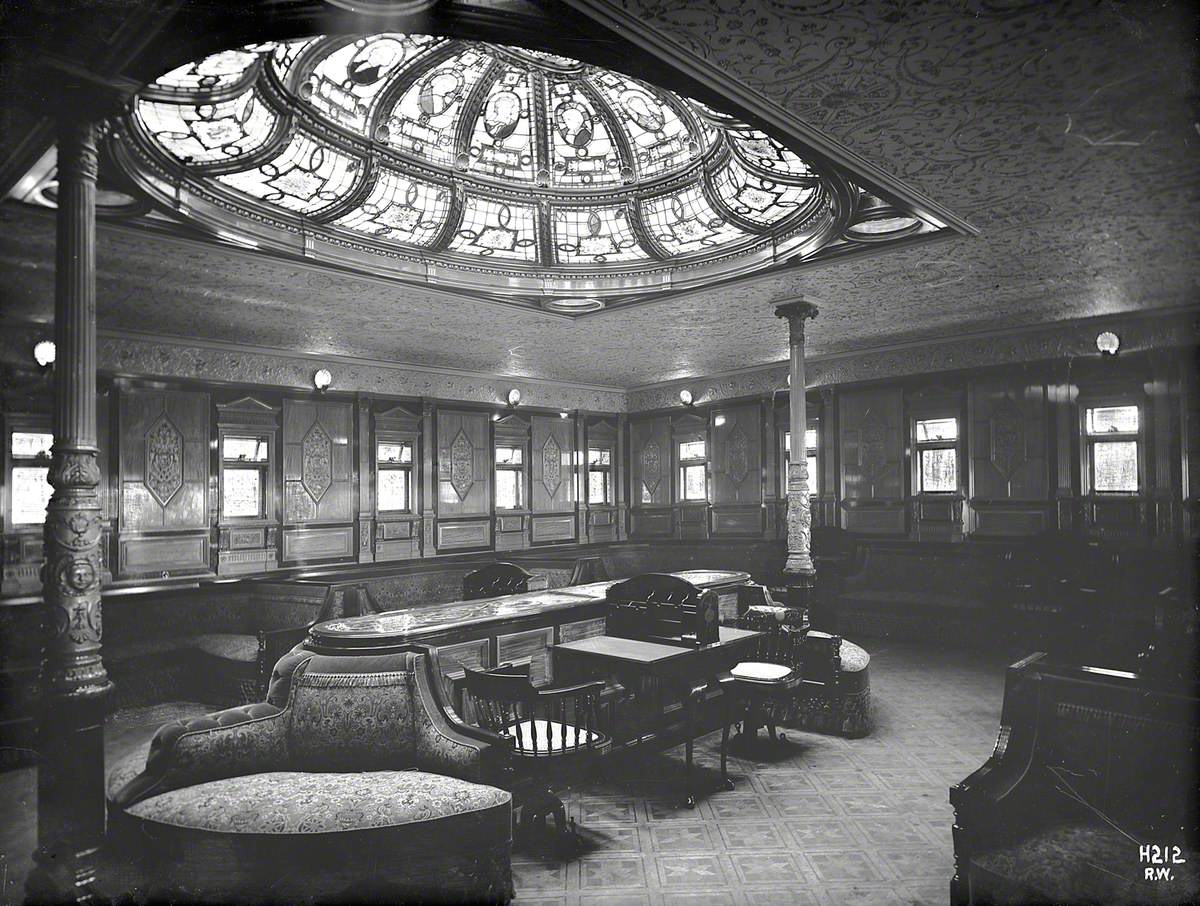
(692, 449)
(242, 493)
(1112, 420)
(939, 470)
(393, 489)
(597, 487)
(1115, 466)
(30, 493)
(31, 444)
(508, 489)
(931, 429)
(694, 487)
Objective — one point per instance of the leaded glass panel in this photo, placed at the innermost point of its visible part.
(400, 209)
(502, 144)
(757, 198)
(594, 236)
(495, 229)
(306, 178)
(685, 223)
(582, 152)
(210, 132)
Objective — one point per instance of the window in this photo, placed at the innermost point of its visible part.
(244, 463)
(510, 477)
(693, 470)
(937, 455)
(1112, 448)
(394, 460)
(810, 444)
(599, 475)
(31, 490)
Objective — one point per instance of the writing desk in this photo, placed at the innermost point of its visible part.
(690, 672)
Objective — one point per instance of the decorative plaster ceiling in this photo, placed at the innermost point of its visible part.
(1064, 130)
(525, 176)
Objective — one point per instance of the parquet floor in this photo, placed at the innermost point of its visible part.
(822, 821)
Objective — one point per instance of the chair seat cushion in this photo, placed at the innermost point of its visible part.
(759, 672)
(228, 645)
(292, 802)
(546, 736)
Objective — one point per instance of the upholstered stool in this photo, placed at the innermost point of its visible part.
(836, 694)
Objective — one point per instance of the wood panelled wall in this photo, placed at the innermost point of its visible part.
(1022, 469)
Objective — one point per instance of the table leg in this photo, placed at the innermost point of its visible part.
(727, 701)
(689, 709)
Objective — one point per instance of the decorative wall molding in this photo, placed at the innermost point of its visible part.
(122, 353)
(1042, 342)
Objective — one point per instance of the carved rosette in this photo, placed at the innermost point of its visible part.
(799, 521)
(72, 570)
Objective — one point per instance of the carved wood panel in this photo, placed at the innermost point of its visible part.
(553, 454)
(1008, 444)
(463, 462)
(164, 460)
(871, 442)
(737, 456)
(650, 466)
(317, 466)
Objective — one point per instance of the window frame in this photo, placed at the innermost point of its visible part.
(395, 438)
(606, 470)
(683, 465)
(1088, 442)
(22, 424)
(520, 469)
(920, 446)
(265, 468)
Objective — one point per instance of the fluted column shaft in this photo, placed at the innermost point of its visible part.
(799, 568)
(75, 688)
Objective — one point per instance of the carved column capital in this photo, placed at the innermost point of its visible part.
(796, 314)
(77, 156)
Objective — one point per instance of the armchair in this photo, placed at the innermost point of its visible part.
(352, 781)
(553, 732)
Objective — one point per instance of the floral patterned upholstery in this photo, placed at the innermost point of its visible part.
(354, 745)
(300, 802)
(228, 645)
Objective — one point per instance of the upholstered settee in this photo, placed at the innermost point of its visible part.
(352, 781)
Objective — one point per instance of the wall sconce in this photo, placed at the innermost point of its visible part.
(322, 379)
(564, 415)
(44, 352)
(719, 420)
(685, 397)
(1108, 342)
(514, 398)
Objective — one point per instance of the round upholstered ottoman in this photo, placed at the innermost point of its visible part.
(292, 836)
(836, 694)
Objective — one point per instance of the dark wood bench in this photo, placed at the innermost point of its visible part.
(1089, 766)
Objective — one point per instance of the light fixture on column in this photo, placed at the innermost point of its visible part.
(1108, 342)
(514, 398)
(564, 415)
(322, 379)
(44, 352)
(685, 397)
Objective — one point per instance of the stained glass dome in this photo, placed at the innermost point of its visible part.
(509, 172)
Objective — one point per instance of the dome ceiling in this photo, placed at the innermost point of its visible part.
(521, 175)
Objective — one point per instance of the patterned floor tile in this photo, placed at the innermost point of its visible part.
(802, 805)
(762, 868)
(783, 782)
(606, 811)
(925, 894)
(816, 834)
(614, 899)
(901, 830)
(734, 807)
(670, 838)
(539, 876)
(848, 781)
(857, 804)
(601, 874)
(740, 835)
(918, 864)
(781, 896)
(697, 898)
(862, 895)
(844, 865)
(690, 871)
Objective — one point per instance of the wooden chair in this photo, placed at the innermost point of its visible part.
(494, 580)
(762, 688)
(555, 734)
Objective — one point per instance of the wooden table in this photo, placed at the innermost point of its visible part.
(692, 672)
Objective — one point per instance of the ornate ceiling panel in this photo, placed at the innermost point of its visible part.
(1064, 130)
(522, 175)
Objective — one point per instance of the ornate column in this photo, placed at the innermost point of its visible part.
(799, 570)
(75, 688)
